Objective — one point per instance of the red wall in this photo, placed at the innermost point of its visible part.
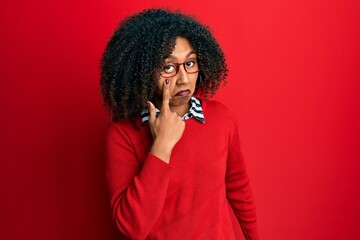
(294, 85)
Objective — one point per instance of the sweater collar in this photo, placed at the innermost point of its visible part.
(195, 111)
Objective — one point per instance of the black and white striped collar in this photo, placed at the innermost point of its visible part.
(195, 111)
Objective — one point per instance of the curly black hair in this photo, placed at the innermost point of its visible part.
(137, 50)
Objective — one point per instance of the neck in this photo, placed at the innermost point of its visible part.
(180, 110)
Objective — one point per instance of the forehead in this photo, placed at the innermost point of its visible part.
(182, 49)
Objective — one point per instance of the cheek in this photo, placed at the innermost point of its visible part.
(160, 84)
(194, 80)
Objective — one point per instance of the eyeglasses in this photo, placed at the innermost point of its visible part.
(171, 69)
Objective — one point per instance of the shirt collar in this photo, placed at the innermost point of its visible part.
(195, 111)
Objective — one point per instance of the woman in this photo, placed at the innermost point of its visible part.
(174, 167)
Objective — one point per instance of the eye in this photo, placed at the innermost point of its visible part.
(190, 63)
(169, 68)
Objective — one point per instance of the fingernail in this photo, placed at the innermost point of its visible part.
(147, 103)
(167, 81)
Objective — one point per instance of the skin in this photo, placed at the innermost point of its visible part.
(168, 128)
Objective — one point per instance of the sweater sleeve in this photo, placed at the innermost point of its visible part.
(137, 193)
(238, 189)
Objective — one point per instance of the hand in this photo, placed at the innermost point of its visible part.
(166, 129)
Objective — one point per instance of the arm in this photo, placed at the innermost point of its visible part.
(238, 189)
(137, 195)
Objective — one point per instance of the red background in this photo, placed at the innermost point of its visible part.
(294, 85)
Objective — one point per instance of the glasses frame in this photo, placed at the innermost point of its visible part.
(177, 67)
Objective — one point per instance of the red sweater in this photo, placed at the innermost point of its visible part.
(190, 197)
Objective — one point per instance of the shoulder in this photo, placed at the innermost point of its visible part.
(125, 129)
(215, 108)
(119, 126)
(220, 118)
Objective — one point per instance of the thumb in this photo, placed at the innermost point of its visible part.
(152, 112)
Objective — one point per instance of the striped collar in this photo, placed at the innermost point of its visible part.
(195, 111)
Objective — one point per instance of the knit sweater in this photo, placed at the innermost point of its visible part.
(194, 195)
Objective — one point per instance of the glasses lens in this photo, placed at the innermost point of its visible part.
(191, 66)
(171, 69)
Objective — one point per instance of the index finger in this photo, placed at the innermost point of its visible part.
(166, 96)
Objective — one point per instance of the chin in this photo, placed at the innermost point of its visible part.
(181, 101)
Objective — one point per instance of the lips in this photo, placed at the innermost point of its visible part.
(183, 93)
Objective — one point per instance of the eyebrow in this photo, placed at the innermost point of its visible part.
(187, 55)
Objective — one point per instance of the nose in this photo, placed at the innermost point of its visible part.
(182, 76)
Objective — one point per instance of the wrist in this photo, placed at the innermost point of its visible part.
(162, 150)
